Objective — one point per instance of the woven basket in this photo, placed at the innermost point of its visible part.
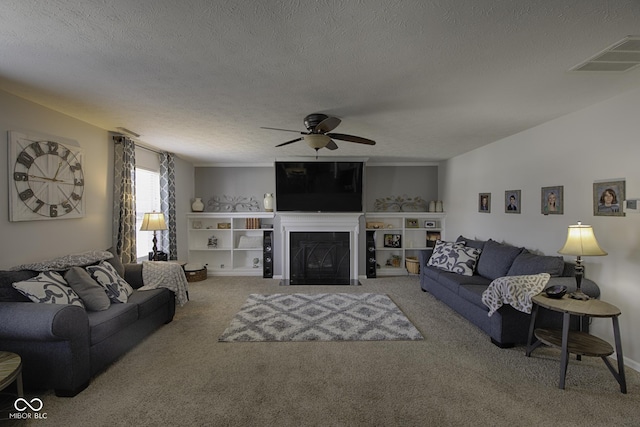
(196, 275)
(412, 264)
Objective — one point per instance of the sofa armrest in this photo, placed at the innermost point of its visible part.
(133, 275)
(27, 321)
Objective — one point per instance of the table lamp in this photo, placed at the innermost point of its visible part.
(581, 242)
(153, 221)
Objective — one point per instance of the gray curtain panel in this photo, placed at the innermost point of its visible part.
(124, 199)
(168, 204)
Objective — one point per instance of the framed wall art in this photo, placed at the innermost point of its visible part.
(484, 202)
(608, 197)
(512, 201)
(552, 200)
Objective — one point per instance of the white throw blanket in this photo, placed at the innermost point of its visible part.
(162, 274)
(515, 291)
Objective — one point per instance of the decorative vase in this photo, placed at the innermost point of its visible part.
(268, 202)
(432, 206)
(197, 205)
(439, 206)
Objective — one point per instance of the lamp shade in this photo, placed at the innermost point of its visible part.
(153, 221)
(581, 241)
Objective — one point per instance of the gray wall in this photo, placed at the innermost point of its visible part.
(595, 144)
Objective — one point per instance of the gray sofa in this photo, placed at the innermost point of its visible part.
(507, 326)
(63, 346)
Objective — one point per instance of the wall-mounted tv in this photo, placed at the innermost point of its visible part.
(320, 186)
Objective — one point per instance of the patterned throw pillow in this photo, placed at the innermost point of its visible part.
(455, 258)
(118, 290)
(49, 288)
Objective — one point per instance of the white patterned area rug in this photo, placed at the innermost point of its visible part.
(319, 317)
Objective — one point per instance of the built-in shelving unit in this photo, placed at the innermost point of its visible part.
(228, 243)
(399, 235)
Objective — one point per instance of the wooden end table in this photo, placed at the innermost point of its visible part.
(579, 342)
(10, 371)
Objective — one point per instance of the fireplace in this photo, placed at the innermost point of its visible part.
(319, 258)
(320, 248)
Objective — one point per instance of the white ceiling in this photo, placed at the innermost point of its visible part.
(426, 79)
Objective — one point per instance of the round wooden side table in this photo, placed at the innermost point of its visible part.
(10, 371)
(578, 342)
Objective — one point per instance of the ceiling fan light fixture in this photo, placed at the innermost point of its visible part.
(317, 141)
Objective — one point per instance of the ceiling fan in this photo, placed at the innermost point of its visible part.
(319, 135)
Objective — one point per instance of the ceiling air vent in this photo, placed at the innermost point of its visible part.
(622, 56)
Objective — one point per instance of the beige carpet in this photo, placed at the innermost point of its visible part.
(182, 376)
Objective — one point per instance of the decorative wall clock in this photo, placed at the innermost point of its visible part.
(46, 178)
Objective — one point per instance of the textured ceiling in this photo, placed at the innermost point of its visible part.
(426, 79)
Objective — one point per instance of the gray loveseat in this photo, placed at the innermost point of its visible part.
(62, 346)
(507, 326)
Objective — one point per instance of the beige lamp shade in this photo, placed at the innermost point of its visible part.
(153, 221)
(581, 241)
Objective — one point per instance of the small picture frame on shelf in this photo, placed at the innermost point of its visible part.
(411, 223)
(430, 224)
(197, 225)
(392, 240)
(224, 225)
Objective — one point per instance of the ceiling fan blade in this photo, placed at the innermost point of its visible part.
(331, 145)
(351, 138)
(285, 130)
(290, 142)
(327, 125)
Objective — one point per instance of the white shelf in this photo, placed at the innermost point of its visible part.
(413, 239)
(226, 259)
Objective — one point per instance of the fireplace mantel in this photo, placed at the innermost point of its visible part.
(320, 222)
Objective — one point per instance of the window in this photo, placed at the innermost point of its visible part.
(147, 200)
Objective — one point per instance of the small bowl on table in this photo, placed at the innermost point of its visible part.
(556, 291)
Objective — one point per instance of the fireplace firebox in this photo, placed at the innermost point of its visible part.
(319, 258)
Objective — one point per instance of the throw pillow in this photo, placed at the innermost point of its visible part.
(496, 259)
(66, 262)
(478, 244)
(454, 257)
(90, 292)
(7, 278)
(118, 290)
(50, 288)
(460, 260)
(116, 261)
(528, 263)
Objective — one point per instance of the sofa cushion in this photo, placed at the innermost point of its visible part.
(149, 301)
(453, 281)
(67, 261)
(48, 287)
(103, 324)
(478, 244)
(473, 294)
(528, 263)
(118, 290)
(496, 259)
(457, 259)
(90, 292)
(7, 292)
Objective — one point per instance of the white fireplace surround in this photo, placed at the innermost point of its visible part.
(320, 222)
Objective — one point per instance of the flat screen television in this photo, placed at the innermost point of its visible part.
(322, 186)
